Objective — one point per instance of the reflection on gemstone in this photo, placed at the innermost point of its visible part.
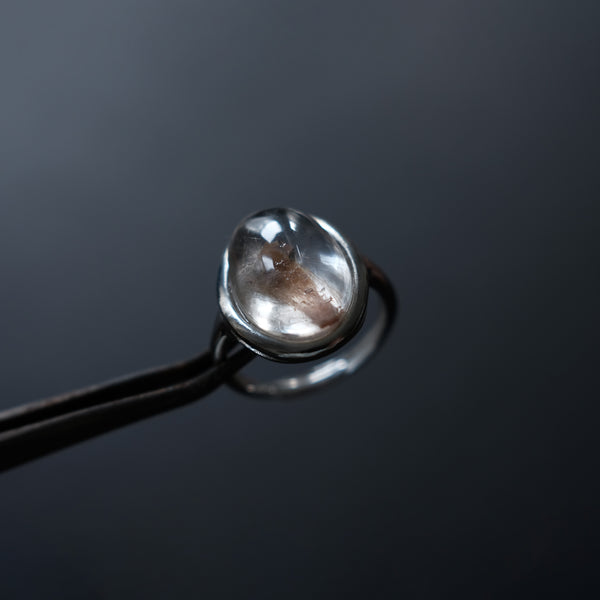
(288, 276)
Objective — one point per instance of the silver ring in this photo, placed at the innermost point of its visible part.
(292, 288)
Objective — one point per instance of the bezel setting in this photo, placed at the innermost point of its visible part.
(296, 350)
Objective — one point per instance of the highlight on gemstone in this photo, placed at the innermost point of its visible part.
(288, 276)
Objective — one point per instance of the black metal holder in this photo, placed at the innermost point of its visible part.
(33, 430)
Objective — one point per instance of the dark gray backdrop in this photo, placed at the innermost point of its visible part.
(456, 143)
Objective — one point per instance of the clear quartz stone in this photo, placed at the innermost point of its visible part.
(288, 276)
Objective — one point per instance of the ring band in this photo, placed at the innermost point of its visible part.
(344, 363)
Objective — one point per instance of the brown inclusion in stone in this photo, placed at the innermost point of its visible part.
(289, 283)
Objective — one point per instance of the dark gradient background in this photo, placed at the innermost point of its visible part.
(456, 143)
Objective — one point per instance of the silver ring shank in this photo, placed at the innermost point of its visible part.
(346, 361)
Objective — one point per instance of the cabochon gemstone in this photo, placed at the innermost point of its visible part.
(288, 276)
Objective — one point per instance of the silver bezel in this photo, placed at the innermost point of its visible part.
(296, 351)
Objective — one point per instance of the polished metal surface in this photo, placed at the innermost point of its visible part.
(346, 362)
(295, 348)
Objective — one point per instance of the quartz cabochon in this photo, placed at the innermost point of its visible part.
(288, 276)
